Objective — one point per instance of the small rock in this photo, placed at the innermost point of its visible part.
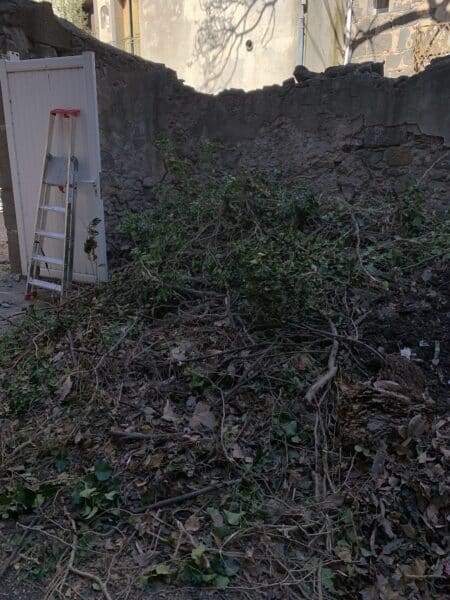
(191, 402)
(301, 73)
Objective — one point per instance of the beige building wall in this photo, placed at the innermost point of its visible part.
(247, 44)
(324, 34)
(108, 21)
(214, 44)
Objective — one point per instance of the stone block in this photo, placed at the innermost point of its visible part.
(381, 42)
(392, 63)
(398, 157)
(379, 135)
(405, 38)
(408, 58)
(352, 68)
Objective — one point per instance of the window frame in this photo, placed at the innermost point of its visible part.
(380, 6)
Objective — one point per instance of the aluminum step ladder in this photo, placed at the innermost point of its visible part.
(57, 196)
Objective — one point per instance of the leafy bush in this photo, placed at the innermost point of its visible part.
(273, 247)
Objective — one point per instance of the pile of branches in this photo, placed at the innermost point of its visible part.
(215, 417)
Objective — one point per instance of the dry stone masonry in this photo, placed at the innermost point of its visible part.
(347, 130)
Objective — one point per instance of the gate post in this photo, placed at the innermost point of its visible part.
(9, 211)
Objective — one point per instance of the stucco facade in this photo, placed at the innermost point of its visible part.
(247, 44)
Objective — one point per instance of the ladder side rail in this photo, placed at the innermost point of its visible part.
(42, 191)
(70, 240)
(65, 283)
(41, 221)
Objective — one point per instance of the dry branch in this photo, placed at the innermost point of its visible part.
(183, 497)
(326, 377)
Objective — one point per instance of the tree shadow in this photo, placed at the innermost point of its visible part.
(436, 11)
(337, 34)
(222, 34)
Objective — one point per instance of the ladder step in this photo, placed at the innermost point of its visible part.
(47, 285)
(47, 259)
(59, 209)
(56, 235)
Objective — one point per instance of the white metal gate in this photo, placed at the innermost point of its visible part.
(30, 89)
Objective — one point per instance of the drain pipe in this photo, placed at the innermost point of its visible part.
(301, 32)
(348, 32)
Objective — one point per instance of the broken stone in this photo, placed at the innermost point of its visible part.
(301, 73)
(398, 157)
(366, 67)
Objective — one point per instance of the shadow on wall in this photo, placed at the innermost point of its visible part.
(222, 35)
(332, 22)
(438, 11)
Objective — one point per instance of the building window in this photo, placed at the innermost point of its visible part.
(380, 6)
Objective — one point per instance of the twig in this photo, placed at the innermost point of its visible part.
(4, 568)
(72, 349)
(155, 437)
(183, 497)
(344, 338)
(246, 375)
(116, 345)
(133, 435)
(322, 381)
(358, 243)
(93, 577)
(221, 353)
(431, 167)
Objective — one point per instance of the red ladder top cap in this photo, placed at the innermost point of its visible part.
(66, 112)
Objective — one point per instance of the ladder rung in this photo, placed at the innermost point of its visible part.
(47, 259)
(48, 285)
(50, 234)
(59, 209)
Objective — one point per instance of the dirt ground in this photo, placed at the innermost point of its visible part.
(11, 297)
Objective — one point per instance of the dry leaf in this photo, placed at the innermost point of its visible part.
(65, 389)
(236, 451)
(202, 417)
(154, 461)
(168, 414)
(417, 426)
(192, 524)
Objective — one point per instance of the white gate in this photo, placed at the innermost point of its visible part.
(30, 89)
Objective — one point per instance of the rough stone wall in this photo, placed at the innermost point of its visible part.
(348, 129)
(406, 37)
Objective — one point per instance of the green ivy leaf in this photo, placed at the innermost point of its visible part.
(289, 428)
(232, 517)
(221, 582)
(162, 569)
(88, 492)
(102, 470)
(231, 566)
(327, 579)
(197, 553)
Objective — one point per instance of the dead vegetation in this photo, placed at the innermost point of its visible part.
(253, 407)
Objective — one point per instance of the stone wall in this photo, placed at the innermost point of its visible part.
(348, 129)
(405, 37)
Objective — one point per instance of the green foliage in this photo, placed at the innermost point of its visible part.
(278, 252)
(96, 493)
(90, 244)
(20, 499)
(33, 377)
(71, 10)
